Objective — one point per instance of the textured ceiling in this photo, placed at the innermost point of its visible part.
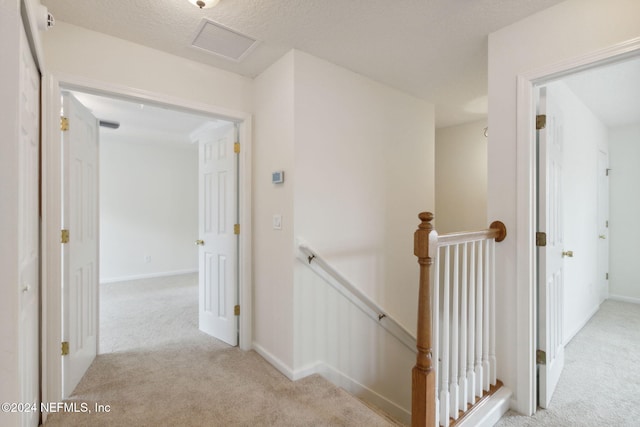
(433, 49)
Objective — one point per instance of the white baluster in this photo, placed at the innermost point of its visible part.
(486, 323)
(479, 296)
(445, 412)
(435, 320)
(462, 369)
(455, 338)
(471, 376)
(492, 310)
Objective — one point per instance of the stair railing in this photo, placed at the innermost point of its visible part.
(456, 363)
(314, 260)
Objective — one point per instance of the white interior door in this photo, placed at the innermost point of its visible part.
(28, 232)
(550, 256)
(80, 254)
(218, 253)
(603, 224)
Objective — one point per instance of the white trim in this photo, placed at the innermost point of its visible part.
(491, 411)
(51, 196)
(572, 334)
(146, 276)
(365, 393)
(623, 298)
(525, 392)
(278, 364)
(339, 379)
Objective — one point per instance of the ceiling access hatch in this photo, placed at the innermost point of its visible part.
(219, 40)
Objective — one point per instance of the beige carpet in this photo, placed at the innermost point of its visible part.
(157, 369)
(600, 383)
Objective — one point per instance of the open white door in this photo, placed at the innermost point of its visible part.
(218, 239)
(80, 254)
(603, 224)
(28, 232)
(550, 253)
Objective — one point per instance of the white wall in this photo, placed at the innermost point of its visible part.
(624, 276)
(148, 207)
(461, 177)
(364, 169)
(567, 30)
(273, 249)
(584, 135)
(9, 219)
(358, 162)
(88, 54)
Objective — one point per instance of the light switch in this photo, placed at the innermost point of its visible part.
(277, 222)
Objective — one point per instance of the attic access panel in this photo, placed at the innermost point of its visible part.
(219, 40)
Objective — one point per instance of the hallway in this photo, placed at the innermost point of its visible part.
(600, 383)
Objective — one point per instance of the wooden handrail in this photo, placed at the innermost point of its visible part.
(426, 244)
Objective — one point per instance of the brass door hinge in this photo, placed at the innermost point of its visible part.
(64, 236)
(541, 121)
(541, 357)
(65, 348)
(236, 228)
(541, 239)
(236, 147)
(64, 123)
(236, 310)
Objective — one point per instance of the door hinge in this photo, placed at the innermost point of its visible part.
(64, 123)
(236, 310)
(64, 236)
(541, 238)
(608, 170)
(65, 348)
(541, 121)
(607, 276)
(541, 357)
(607, 224)
(236, 147)
(236, 228)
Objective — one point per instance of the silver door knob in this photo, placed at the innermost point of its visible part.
(200, 242)
(567, 254)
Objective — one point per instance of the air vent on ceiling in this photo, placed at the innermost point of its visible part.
(222, 41)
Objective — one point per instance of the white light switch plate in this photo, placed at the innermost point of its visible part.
(277, 222)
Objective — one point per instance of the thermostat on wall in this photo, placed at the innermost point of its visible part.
(277, 177)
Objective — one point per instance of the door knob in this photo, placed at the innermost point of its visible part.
(200, 242)
(567, 253)
(602, 236)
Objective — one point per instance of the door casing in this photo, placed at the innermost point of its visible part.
(526, 207)
(51, 219)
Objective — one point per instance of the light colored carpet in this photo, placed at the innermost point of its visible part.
(157, 369)
(600, 383)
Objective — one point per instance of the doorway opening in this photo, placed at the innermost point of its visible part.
(239, 123)
(591, 105)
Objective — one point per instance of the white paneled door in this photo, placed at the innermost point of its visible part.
(28, 231)
(80, 254)
(550, 249)
(603, 224)
(218, 238)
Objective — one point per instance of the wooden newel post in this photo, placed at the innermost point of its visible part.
(423, 391)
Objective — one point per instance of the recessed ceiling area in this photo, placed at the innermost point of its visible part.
(144, 123)
(435, 50)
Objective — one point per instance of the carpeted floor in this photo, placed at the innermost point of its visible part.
(600, 383)
(157, 369)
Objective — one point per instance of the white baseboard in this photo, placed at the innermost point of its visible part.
(274, 361)
(570, 335)
(146, 276)
(339, 379)
(491, 411)
(624, 299)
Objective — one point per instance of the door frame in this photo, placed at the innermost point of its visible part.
(526, 206)
(51, 217)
